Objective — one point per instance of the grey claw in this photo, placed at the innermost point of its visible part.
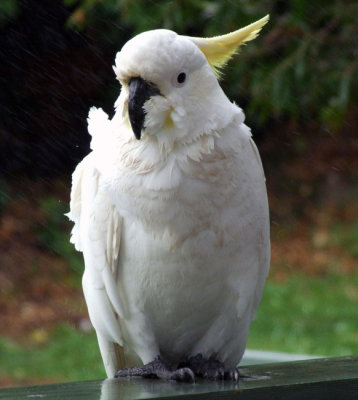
(183, 375)
(232, 375)
(211, 369)
(122, 373)
(215, 375)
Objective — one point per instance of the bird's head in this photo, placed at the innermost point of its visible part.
(170, 82)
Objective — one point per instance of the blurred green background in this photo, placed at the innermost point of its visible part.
(297, 83)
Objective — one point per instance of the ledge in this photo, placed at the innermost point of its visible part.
(317, 379)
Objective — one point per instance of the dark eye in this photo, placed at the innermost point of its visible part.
(181, 77)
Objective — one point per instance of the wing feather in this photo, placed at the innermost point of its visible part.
(97, 233)
(263, 239)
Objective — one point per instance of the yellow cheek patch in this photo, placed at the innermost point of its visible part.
(169, 123)
(126, 120)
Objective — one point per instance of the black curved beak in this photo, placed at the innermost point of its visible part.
(139, 92)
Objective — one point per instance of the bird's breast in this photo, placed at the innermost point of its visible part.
(189, 232)
(178, 283)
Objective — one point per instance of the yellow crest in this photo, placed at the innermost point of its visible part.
(219, 49)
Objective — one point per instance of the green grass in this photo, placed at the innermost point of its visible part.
(345, 236)
(308, 315)
(69, 355)
(312, 316)
(55, 234)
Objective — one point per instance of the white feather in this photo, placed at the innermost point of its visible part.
(174, 227)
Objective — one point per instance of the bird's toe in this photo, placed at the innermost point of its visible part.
(232, 375)
(213, 370)
(183, 375)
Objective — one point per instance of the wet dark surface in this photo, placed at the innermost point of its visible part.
(326, 378)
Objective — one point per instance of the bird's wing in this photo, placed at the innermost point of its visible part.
(263, 239)
(97, 233)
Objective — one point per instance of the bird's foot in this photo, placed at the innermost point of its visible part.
(212, 369)
(158, 369)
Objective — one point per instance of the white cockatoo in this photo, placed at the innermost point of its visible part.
(170, 211)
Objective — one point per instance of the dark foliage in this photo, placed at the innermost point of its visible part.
(57, 55)
(49, 77)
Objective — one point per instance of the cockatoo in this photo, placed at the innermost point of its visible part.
(170, 211)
